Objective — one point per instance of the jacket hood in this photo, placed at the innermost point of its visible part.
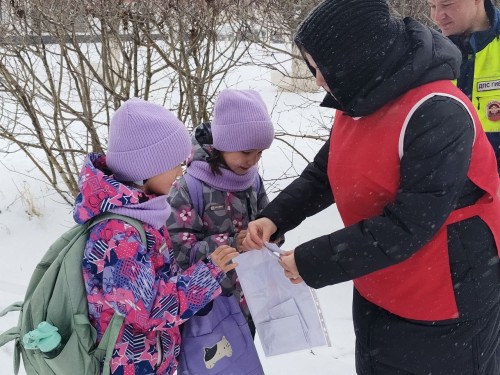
(202, 143)
(100, 193)
(428, 56)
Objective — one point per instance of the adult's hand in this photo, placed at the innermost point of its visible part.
(223, 256)
(258, 232)
(287, 261)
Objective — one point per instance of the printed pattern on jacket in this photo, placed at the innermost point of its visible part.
(225, 215)
(139, 281)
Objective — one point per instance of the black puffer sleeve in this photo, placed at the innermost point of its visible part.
(437, 151)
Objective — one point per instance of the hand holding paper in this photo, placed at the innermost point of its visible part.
(287, 317)
(287, 261)
(240, 237)
(259, 231)
(274, 249)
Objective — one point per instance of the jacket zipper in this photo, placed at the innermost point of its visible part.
(160, 349)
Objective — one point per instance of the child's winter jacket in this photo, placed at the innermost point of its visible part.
(139, 281)
(225, 214)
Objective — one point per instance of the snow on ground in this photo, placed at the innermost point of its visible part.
(32, 217)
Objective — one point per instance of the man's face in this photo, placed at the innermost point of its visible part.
(455, 17)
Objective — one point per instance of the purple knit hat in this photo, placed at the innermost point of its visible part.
(241, 122)
(145, 140)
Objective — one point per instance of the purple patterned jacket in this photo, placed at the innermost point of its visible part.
(226, 214)
(140, 281)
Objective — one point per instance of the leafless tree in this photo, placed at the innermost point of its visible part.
(418, 9)
(277, 21)
(65, 66)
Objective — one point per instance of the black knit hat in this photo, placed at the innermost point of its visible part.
(348, 40)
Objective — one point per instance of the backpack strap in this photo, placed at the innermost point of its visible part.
(195, 191)
(14, 332)
(107, 344)
(9, 335)
(16, 306)
(135, 223)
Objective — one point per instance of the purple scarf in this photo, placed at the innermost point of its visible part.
(154, 211)
(228, 181)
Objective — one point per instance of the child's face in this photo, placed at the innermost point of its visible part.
(241, 161)
(161, 184)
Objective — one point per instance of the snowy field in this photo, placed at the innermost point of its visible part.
(32, 216)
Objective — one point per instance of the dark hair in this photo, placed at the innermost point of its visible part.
(215, 161)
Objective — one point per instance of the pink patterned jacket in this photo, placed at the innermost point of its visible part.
(140, 281)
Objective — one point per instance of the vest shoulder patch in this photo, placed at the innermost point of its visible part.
(488, 85)
(493, 110)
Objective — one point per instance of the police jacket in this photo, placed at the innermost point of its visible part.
(480, 73)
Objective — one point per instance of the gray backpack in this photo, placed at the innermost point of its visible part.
(56, 294)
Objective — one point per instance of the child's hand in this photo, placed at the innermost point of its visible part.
(239, 241)
(223, 256)
(259, 231)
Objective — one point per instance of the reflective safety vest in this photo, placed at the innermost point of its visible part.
(486, 86)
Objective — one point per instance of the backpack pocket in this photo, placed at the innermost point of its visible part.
(219, 342)
(77, 355)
